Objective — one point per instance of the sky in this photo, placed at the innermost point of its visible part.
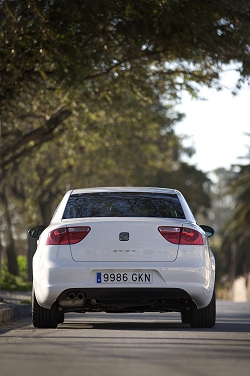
(216, 126)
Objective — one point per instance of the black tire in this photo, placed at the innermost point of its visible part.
(205, 317)
(185, 317)
(60, 317)
(42, 317)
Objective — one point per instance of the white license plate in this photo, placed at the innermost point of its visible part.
(124, 277)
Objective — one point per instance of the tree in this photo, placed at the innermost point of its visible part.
(171, 44)
(133, 145)
(113, 145)
(193, 182)
(58, 66)
(222, 204)
(236, 241)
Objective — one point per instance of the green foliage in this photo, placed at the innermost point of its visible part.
(229, 215)
(97, 78)
(236, 230)
(52, 51)
(10, 282)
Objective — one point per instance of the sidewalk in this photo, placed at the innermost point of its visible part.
(14, 304)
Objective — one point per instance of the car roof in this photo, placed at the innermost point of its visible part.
(125, 189)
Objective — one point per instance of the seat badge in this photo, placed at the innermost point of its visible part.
(124, 236)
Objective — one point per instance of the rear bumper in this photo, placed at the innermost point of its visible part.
(196, 284)
(125, 300)
(120, 294)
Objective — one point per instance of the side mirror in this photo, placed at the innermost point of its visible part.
(208, 230)
(36, 231)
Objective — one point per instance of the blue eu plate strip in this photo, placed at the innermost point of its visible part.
(99, 277)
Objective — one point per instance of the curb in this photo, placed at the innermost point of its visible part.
(10, 312)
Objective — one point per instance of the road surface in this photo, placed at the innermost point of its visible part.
(133, 344)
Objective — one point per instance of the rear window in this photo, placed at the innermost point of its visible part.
(123, 204)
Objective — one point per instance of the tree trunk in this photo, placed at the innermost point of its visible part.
(9, 239)
(46, 211)
(12, 258)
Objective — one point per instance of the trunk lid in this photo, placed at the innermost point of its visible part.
(124, 239)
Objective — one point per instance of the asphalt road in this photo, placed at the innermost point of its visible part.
(142, 344)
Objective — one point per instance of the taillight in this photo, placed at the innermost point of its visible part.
(191, 236)
(58, 236)
(67, 235)
(181, 235)
(76, 234)
(172, 234)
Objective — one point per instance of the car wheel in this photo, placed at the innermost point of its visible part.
(60, 317)
(42, 317)
(185, 317)
(205, 317)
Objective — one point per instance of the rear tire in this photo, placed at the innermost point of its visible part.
(185, 317)
(60, 317)
(42, 317)
(205, 317)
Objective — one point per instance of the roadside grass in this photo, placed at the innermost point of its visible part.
(11, 282)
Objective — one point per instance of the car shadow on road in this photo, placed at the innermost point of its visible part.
(221, 326)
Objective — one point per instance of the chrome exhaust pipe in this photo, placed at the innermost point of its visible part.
(73, 300)
(80, 296)
(71, 296)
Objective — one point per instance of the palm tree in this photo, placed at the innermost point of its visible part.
(236, 243)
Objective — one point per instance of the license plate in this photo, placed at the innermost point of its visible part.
(124, 277)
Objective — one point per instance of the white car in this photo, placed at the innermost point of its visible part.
(123, 249)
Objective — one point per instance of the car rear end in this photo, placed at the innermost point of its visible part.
(123, 250)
